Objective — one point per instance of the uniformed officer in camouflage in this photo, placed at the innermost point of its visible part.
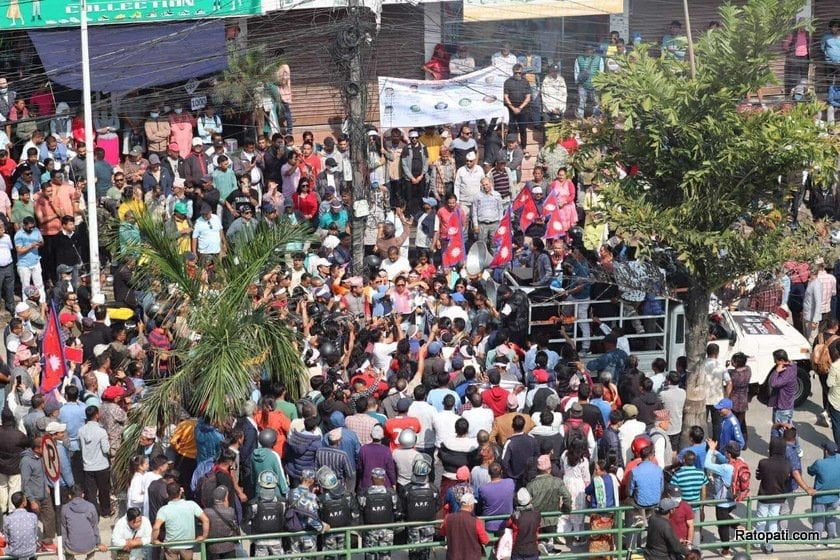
(420, 503)
(379, 505)
(304, 501)
(266, 515)
(337, 507)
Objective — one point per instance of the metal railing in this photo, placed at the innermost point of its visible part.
(619, 532)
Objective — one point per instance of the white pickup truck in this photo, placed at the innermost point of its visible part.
(755, 334)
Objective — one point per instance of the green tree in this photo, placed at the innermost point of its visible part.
(227, 342)
(705, 169)
(248, 77)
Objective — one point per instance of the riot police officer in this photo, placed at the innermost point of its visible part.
(421, 499)
(336, 507)
(267, 512)
(379, 505)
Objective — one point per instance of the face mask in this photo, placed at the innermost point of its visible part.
(178, 111)
(154, 115)
(3, 91)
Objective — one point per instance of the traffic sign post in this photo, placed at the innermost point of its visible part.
(52, 470)
(49, 455)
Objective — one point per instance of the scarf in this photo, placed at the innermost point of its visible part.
(600, 492)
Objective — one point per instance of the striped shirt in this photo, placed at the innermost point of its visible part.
(690, 480)
(337, 460)
(501, 182)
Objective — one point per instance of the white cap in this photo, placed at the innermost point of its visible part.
(322, 262)
(100, 349)
(98, 299)
(55, 427)
(536, 190)
(21, 307)
(330, 242)
(471, 156)
(197, 141)
(467, 499)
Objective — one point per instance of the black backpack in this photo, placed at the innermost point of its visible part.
(268, 518)
(421, 503)
(336, 512)
(379, 508)
(572, 433)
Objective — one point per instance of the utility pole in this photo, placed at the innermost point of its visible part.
(93, 223)
(691, 64)
(355, 94)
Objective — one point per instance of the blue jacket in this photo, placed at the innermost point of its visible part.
(826, 473)
(730, 430)
(300, 452)
(646, 484)
(208, 441)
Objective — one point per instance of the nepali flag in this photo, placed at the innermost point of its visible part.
(54, 366)
(555, 225)
(550, 205)
(454, 253)
(504, 230)
(529, 215)
(522, 199)
(503, 241)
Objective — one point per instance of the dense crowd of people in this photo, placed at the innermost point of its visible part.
(427, 396)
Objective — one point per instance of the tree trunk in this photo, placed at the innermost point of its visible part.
(697, 331)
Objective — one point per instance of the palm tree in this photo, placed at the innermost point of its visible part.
(247, 72)
(230, 343)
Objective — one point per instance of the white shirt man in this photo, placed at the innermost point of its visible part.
(504, 60)
(462, 63)
(554, 92)
(468, 182)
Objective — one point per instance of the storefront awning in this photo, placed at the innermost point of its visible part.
(129, 57)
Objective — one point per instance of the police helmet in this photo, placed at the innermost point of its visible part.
(267, 479)
(326, 478)
(267, 438)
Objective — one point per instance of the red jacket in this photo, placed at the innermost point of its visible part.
(495, 399)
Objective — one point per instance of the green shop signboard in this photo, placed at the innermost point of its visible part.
(28, 14)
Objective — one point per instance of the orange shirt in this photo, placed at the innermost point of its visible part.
(49, 212)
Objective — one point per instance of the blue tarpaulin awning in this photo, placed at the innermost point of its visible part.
(129, 57)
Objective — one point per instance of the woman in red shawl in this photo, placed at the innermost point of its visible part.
(438, 66)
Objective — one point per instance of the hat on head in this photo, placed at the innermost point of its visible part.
(66, 318)
(180, 208)
(21, 307)
(435, 348)
(55, 427)
(523, 497)
(667, 504)
(64, 269)
(413, 134)
(206, 178)
(463, 473)
(544, 463)
(356, 281)
(149, 432)
(554, 67)
(377, 472)
(173, 146)
(377, 433)
(179, 182)
(540, 375)
(430, 201)
(458, 297)
(536, 190)
(323, 292)
(372, 133)
(322, 262)
(724, 403)
(27, 337)
(830, 447)
(662, 415)
(470, 156)
(511, 137)
(112, 393)
(136, 151)
(630, 410)
(467, 500)
(197, 141)
(512, 402)
(403, 404)
(268, 208)
(576, 410)
(308, 474)
(336, 204)
(30, 291)
(99, 349)
(334, 435)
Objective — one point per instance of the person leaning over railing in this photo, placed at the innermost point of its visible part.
(131, 533)
(826, 473)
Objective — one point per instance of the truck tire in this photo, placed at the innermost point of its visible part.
(803, 386)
